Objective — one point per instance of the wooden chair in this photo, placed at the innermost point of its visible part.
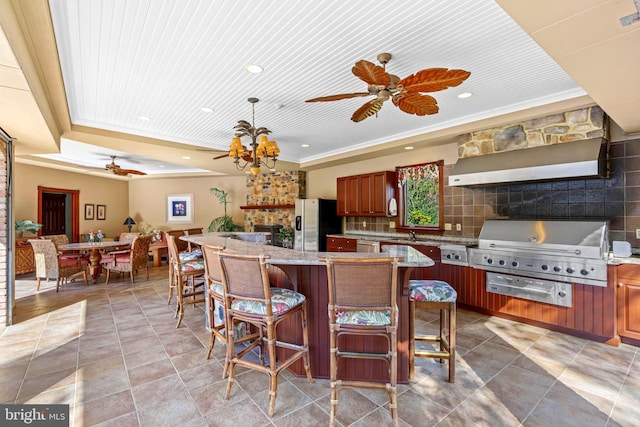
(182, 275)
(50, 263)
(128, 261)
(185, 257)
(191, 232)
(249, 298)
(128, 237)
(362, 302)
(439, 295)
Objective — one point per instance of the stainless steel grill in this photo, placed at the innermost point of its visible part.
(557, 252)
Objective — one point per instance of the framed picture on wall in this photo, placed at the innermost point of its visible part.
(88, 211)
(180, 208)
(101, 212)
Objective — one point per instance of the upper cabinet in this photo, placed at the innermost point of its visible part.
(365, 195)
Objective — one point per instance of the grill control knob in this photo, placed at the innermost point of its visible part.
(457, 257)
(584, 272)
(501, 262)
(514, 263)
(489, 261)
(562, 294)
(556, 269)
(570, 270)
(448, 256)
(545, 267)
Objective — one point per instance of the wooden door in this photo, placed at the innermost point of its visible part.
(74, 209)
(53, 213)
(628, 284)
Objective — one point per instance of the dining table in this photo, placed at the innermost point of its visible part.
(95, 250)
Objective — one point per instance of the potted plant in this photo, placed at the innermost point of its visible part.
(286, 235)
(23, 225)
(225, 222)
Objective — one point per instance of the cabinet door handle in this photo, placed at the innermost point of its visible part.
(620, 285)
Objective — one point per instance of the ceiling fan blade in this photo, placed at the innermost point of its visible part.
(221, 156)
(367, 110)
(129, 172)
(433, 79)
(371, 73)
(338, 97)
(416, 103)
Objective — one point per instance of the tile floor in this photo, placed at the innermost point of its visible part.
(114, 355)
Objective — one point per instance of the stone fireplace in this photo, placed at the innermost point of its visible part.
(271, 198)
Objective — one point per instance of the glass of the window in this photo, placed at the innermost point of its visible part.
(420, 195)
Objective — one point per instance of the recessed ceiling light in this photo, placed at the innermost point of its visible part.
(408, 148)
(278, 106)
(254, 68)
(272, 169)
(160, 166)
(465, 95)
(305, 145)
(186, 157)
(206, 110)
(144, 118)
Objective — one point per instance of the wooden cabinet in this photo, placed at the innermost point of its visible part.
(432, 252)
(628, 301)
(341, 244)
(24, 257)
(348, 195)
(365, 195)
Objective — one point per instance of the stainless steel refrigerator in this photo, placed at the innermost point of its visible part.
(315, 218)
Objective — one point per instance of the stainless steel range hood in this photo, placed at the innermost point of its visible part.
(577, 159)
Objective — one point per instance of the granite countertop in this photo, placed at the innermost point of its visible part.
(244, 243)
(633, 259)
(401, 238)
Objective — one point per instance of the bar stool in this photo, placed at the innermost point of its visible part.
(433, 294)
(362, 302)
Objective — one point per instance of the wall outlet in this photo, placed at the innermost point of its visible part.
(637, 233)
(458, 227)
(364, 224)
(392, 224)
(447, 226)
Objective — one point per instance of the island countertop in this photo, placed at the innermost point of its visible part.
(305, 272)
(244, 243)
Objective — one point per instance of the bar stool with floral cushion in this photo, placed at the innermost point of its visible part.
(362, 302)
(188, 279)
(248, 297)
(433, 294)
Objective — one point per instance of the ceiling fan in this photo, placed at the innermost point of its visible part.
(405, 94)
(117, 170)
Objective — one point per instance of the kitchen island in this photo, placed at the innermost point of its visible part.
(306, 273)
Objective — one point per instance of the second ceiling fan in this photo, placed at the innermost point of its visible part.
(117, 170)
(405, 94)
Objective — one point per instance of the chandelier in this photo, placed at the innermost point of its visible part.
(263, 152)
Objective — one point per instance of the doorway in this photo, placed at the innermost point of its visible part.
(59, 212)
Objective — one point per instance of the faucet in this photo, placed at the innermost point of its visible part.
(412, 236)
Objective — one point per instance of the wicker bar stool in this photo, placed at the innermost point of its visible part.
(434, 294)
(248, 297)
(187, 278)
(362, 302)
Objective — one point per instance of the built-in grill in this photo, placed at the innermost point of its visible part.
(539, 260)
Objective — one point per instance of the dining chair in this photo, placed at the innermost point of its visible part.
(248, 297)
(362, 303)
(184, 277)
(51, 264)
(130, 260)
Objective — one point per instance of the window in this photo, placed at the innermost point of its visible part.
(420, 196)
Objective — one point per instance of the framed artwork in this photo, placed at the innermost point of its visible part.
(88, 211)
(101, 212)
(180, 208)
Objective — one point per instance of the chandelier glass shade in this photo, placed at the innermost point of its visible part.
(263, 152)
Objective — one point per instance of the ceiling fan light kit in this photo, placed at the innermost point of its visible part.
(264, 152)
(406, 94)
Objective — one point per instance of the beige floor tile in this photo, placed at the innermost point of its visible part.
(150, 372)
(106, 408)
(244, 413)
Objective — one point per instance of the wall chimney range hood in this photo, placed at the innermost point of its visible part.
(578, 159)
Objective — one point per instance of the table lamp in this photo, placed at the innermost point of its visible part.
(129, 222)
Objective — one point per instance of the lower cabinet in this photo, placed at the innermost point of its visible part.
(341, 244)
(24, 257)
(628, 299)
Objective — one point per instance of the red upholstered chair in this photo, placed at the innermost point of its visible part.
(130, 260)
